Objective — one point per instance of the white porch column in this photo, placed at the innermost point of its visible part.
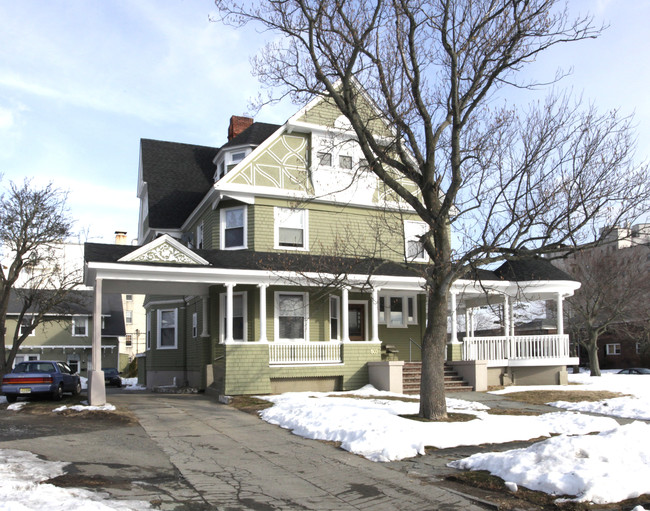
(263, 337)
(374, 315)
(228, 337)
(454, 320)
(96, 386)
(560, 315)
(511, 313)
(345, 320)
(506, 315)
(466, 322)
(205, 313)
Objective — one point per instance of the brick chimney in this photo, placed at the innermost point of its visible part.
(237, 125)
(120, 237)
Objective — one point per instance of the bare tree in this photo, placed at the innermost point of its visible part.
(32, 222)
(488, 180)
(614, 296)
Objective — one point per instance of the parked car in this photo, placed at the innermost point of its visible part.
(634, 370)
(112, 378)
(40, 378)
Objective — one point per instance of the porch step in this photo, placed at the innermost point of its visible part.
(411, 376)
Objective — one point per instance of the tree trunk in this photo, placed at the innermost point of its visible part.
(432, 386)
(592, 351)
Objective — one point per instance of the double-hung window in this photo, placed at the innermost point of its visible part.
(238, 316)
(24, 326)
(613, 349)
(195, 325)
(233, 228)
(398, 311)
(167, 332)
(291, 316)
(128, 317)
(291, 230)
(199, 236)
(414, 249)
(79, 326)
(335, 321)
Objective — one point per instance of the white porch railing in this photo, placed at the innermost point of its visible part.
(305, 353)
(518, 347)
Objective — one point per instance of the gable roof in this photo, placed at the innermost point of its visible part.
(178, 176)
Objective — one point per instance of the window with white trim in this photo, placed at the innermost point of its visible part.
(234, 158)
(233, 228)
(128, 316)
(79, 326)
(129, 340)
(291, 232)
(335, 318)
(167, 331)
(291, 316)
(24, 325)
(345, 162)
(199, 236)
(195, 325)
(239, 316)
(324, 158)
(398, 310)
(413, 247)
(613, 349)
(128, 298)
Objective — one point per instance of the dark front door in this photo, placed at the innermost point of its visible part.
(357, 320)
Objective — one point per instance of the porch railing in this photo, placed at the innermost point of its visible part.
(519, 347)
(305, 353)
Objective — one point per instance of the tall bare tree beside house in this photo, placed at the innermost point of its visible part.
(487, 178)
(33, 221)
(614, 296)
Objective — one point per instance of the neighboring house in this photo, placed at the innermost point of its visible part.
(66, 335)
(240, 245)
(626, 343)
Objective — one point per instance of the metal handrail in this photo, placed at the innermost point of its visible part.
(411, 342)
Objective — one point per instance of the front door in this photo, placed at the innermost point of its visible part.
(357, 320)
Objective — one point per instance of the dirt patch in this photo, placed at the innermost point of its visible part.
(494, 489)
(89, 481)
(47, 407)
(451, 417)
(249, 404)
(541, 397)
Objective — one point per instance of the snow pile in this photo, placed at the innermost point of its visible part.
(589, 467)
(132, 384)
(634, 406)
(86, 407)
(22, 488)
(17, 406)
(374, 429)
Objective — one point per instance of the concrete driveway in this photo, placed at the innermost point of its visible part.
(188, 452)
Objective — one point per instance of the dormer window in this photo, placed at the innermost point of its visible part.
(229, 160)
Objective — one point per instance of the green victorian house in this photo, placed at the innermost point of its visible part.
(279, 262)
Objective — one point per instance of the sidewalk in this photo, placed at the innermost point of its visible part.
(236, 461)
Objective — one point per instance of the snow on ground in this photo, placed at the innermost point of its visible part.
(84, 406)
(22, 487)
(590, 467)
(636, 405)
(132, 384)
(576, 463)
(374, 429)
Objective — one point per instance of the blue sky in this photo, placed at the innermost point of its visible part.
(81, 81)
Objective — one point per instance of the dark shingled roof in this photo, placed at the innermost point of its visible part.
(82, 302)
(531, 269)
(179, 175)
(255, 134)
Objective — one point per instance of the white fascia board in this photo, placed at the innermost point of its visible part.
(165, 238)
(256, 150)
(515, 288)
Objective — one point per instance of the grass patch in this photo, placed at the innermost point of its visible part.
(541, 397)
(250, 404)
(513, 411)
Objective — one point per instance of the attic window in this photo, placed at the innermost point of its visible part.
(345, 162)
(324, 159)
(235, 158)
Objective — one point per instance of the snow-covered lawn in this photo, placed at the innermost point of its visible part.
(610, 466)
